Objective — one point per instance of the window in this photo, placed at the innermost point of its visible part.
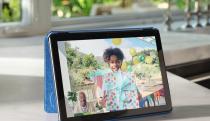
(10, 10)
(79, 14)
(39, 16)
(28, 18)
(79, 8)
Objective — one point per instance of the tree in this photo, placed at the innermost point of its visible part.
(76, 8)
(77, 62)
(11, 11)
(89, 61)
(71, 55)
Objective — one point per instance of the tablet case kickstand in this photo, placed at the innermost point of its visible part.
(50, 103)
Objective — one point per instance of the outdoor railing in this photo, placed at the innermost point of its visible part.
(191, 12)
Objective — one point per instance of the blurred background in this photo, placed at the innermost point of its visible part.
(184, 28)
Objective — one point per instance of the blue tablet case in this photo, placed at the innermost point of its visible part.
(50, 103)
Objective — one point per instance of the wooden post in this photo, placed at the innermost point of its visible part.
(1, 2)
(168, 18)
(188, 14)
(208, 15)
(198, 13)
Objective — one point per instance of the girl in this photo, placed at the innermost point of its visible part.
(119, 90)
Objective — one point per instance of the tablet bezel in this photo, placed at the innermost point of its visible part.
(56, 36)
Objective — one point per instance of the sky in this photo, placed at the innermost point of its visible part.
(97, 46)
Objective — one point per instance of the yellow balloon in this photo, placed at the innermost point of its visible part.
(135, 60)
(148, 59)
(117, 41)
(132, 51)
(124, 66)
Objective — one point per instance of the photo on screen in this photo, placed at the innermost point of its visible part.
(108, 75)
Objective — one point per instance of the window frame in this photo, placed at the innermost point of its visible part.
(5, 27)
(37, 19)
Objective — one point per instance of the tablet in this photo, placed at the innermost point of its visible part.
(109, 73)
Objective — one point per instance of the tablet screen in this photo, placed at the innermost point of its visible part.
(111, 74)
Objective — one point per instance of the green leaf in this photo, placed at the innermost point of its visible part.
(57, 2)
(181, 4)
(5, 15)
(16, 9)
(72, 96)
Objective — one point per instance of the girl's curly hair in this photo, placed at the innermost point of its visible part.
(112, 51)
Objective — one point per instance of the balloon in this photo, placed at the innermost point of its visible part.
(117, 41)
(129, 68)
(132, 51)
(135, 60)
(148, 59)
(124, 66)
(141, 58)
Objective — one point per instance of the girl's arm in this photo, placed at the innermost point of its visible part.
(97, 73)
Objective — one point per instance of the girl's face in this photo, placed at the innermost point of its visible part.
(114, 63)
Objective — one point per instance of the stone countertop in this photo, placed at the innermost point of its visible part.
(190, 103)
(21, 78)
(183, 47)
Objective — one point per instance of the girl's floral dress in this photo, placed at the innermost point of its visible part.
(118, 88)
